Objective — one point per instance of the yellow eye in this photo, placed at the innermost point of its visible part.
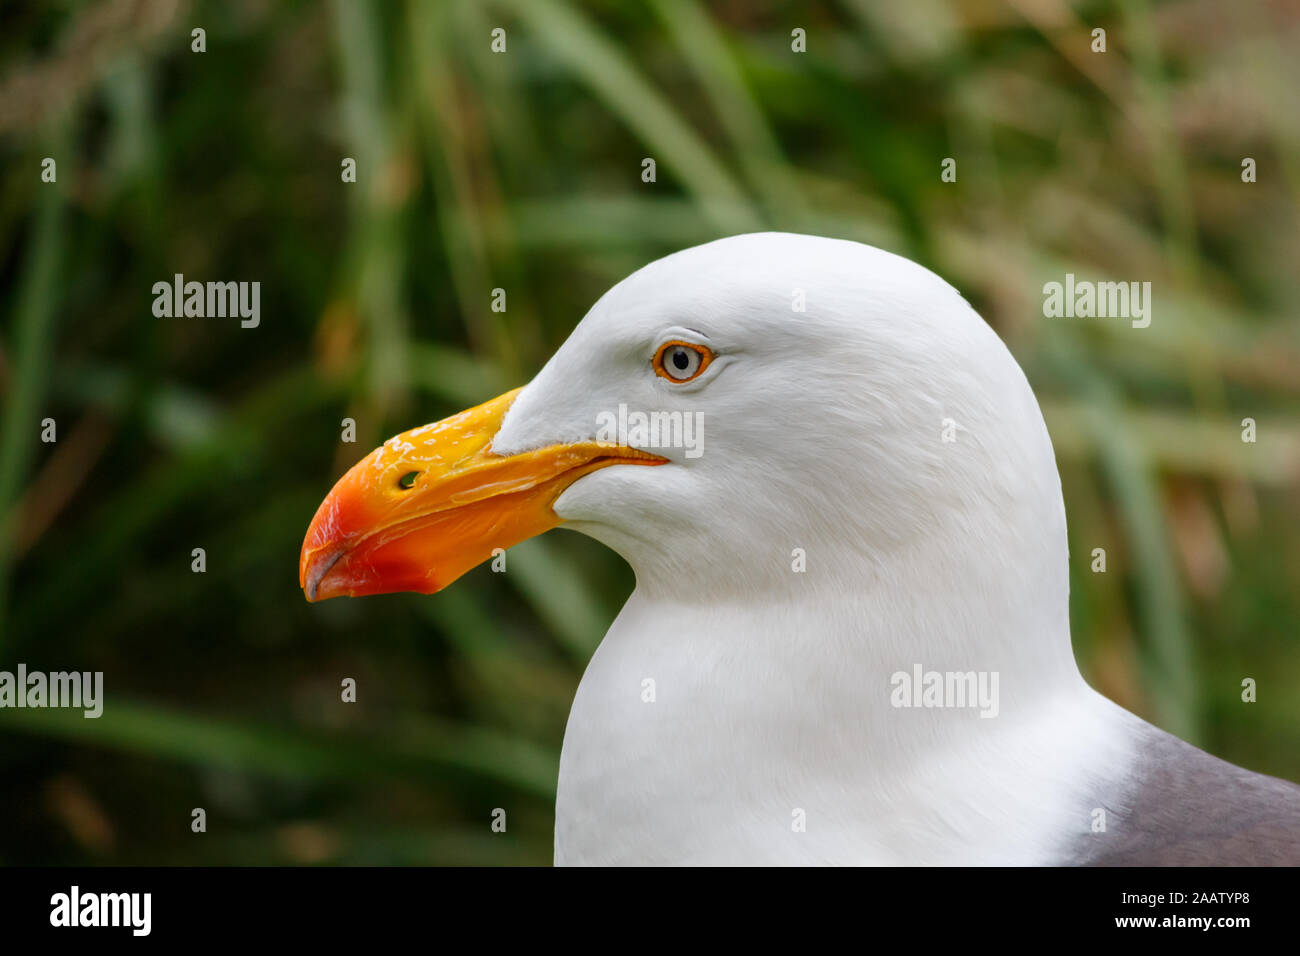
(681, 361)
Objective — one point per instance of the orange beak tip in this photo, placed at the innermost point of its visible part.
(432, 503)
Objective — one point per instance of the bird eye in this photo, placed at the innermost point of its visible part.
(681, 361)
(408, 479)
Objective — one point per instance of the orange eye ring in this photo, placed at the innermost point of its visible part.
(671, 374)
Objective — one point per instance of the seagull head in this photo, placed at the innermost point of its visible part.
(721, 417)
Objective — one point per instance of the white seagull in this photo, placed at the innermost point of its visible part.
(849, 640)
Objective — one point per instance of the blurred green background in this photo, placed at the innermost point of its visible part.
(521, 170)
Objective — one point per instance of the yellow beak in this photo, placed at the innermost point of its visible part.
(431, 503)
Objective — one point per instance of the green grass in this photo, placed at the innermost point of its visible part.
(523, 171)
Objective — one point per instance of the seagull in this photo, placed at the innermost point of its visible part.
(849, 640)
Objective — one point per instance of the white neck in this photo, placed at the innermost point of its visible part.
(779, 699)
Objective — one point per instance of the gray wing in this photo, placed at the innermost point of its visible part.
(1188, 808)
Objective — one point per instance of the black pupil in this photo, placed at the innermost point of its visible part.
(681, 359)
